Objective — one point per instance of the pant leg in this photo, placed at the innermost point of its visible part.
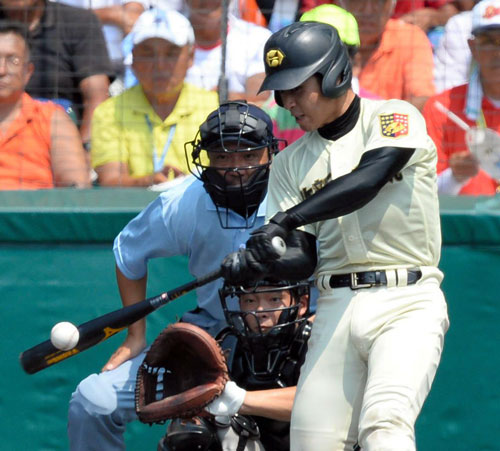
(332, 380)
(403, 333)
(101, 407)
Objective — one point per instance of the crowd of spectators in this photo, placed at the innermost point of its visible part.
(130, 80)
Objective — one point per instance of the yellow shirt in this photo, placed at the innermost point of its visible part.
(126, 128)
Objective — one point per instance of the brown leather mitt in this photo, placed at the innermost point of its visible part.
(183, 371)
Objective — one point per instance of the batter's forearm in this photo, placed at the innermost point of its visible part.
(351, 191)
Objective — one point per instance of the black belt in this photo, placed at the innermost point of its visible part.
(368, 279)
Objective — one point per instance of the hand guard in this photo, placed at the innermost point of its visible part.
(261, 240)
(241, 267)
(183, 371)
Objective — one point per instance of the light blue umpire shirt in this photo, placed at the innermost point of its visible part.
(184, 221)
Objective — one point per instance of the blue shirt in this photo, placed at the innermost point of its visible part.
(184, 221)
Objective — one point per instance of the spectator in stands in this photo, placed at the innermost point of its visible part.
(117, 18)
(69, 53)
(245, 41)
(273, 14)
(427, 14)
(476, 104)
(395, 57)
(138, 136)
(39, 145)
(452, 57)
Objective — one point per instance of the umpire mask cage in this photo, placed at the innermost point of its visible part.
(265, 349)
(301, 50)
(236, 127)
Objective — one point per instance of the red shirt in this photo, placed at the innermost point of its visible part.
(450, 138)
(25, 149)
(406, 6)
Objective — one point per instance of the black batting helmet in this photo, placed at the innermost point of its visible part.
(301, 50)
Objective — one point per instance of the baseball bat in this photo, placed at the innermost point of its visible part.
(99, 329)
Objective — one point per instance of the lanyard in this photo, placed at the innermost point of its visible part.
(159, 163)
(481, 121)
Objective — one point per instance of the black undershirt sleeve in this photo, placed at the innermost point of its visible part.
(351, 191)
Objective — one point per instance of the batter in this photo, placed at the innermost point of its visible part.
(362, 180)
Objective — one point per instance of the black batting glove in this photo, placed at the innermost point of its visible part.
(240, 268)
(260, 242)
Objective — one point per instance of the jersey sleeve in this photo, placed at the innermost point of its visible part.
(149, 235)
(397, 123)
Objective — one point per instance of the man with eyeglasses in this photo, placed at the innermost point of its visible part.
(40, 145)
(464, 122)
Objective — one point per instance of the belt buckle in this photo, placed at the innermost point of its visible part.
(355, 285)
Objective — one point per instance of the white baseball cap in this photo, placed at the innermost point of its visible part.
(165, 24)
(486, 16)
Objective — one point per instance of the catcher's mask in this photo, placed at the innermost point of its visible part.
(265, 349)
(235, 127)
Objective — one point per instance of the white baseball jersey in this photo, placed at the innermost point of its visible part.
(245, 43)
(400, 227)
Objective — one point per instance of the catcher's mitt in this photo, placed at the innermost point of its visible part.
(182, 372)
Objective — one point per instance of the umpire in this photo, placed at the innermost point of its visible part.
(362, 180)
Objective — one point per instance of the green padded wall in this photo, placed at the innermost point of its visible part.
(56, 264)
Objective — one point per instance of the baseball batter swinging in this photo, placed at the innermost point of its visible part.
(362, 180)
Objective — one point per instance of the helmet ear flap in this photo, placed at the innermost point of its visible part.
(338, 77)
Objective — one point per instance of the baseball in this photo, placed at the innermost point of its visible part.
(64, 336)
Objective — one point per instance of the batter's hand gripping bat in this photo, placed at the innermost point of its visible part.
(99, 329)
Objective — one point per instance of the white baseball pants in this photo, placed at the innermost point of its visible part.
(371, 361)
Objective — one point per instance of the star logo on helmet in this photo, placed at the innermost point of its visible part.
(274, 58)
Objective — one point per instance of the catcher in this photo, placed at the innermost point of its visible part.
(265, 343)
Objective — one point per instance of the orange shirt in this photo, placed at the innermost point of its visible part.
(450, 138)
(402, 65)
(25, 148)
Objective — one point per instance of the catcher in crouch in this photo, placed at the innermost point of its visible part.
(265, 343)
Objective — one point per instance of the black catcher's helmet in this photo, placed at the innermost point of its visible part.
(301, 50)
(264, 350)
(234, 127)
